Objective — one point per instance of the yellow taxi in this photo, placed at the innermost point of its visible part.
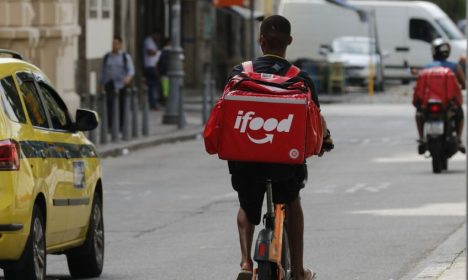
(50, 178)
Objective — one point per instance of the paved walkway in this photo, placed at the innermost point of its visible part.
(457, 271)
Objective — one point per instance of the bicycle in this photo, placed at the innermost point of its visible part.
(272, 247)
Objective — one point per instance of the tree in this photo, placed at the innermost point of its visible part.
(455, 9)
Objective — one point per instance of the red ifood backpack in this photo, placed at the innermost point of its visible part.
(265, 118)
(437, 83)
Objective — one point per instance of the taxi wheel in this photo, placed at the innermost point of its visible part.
(34, 266)
(87, 260)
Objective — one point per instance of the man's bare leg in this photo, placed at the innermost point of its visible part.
(295, 218)
(460, 125)
(246, 232)
(419, 124)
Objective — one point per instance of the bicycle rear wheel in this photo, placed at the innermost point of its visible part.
(267, 271)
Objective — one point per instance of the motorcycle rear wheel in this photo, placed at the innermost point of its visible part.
(437, 162)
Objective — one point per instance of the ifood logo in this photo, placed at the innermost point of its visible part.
(247, 120)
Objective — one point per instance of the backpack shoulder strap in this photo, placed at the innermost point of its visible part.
(248, 66)
(293, 72)
(124, 57)
(106, 57)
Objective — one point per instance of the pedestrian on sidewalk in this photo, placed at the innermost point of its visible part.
(151, 54)
(117, 71)
(163, 68)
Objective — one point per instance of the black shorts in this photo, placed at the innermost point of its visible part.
(250, 182)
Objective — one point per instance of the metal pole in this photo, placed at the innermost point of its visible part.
(145, 118)
(212, 93)
(206, 93)
(104, 118)
(252, 29)
(115, 127)
(92, 106)
(175, 71)
(380, 78)
(181, 121)
(126, 114)
(135, 110)
(371, 62)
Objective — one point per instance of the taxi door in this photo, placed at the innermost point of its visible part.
(73, 195)
(37, 149)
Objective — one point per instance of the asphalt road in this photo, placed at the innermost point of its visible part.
(373, 207)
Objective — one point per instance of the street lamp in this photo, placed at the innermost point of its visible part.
(175, 111)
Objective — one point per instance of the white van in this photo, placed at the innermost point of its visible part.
(405, 30)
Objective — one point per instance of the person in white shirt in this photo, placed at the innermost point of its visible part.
(151, 54)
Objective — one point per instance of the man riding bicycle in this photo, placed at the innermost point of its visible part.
(248, 178)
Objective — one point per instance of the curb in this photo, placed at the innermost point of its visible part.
(123, 148)
(441, 258)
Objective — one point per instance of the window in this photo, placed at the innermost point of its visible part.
(58, 112)
(106, 8)
(100, 9)
(33, 104)
(11, 101)
(93, 8)
(422, 30)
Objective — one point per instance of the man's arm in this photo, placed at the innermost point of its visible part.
(460, 76)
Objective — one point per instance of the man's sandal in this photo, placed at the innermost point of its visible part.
(245, 275)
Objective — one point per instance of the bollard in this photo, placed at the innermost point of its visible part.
(115, 117)
(92, 106)
(181, 121)
(135, 109)
(212, 93)
(145, 118)
(206, 93)
(104, 118)
(127, 93)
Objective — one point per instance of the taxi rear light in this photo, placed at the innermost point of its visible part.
(9, 155)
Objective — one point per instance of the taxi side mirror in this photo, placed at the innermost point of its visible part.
(86, 120)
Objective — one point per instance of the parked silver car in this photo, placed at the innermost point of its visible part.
(356, 54)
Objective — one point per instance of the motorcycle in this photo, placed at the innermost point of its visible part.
(440, 134)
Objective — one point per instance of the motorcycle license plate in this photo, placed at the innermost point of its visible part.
(434, 128)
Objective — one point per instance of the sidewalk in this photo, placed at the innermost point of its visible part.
(458, 269)
(159, 133)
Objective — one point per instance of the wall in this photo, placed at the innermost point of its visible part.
(45, 32)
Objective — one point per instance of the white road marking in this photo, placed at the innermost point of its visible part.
(414, 158)
(356, 188)
(437, 209)
(329, 189)
(326, 189)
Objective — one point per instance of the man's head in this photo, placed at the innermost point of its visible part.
(275, 35)
(116, 43)
(440, 49)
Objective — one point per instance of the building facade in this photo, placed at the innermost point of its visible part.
(46, 33)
